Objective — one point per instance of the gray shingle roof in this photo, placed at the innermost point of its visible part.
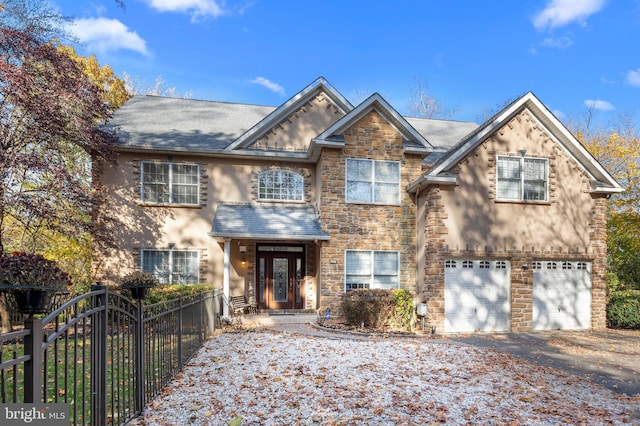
(278, 222)
(442, 134)
(155, 122)
(187, 124)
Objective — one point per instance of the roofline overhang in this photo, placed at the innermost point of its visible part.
(416, 150)
(426, 179)
(297, 156)
(268, 237)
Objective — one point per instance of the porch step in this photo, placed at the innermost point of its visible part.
(273, 318)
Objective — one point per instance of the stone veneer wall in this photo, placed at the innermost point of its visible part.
(365, 226)
(598, 237)
(521, 277)
(436, 252)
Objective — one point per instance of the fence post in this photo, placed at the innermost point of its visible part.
(33, 367)
(201, 319)
(99, 355)
(139, 385)
(180, 322)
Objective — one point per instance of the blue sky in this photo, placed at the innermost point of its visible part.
(472, 55)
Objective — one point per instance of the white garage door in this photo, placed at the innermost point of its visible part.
(561, 295)
(476, 295)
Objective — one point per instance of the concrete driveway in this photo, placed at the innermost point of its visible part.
(610, 358)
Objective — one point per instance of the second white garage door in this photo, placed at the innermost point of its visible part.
(561, 295)
(476, 295)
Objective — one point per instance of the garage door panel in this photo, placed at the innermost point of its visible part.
(476, 296)
(561, 295)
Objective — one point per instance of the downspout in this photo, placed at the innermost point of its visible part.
(225, 278)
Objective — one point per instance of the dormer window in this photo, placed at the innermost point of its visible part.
(280, 185)
(522, 178)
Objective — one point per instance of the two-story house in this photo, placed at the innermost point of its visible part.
(494, 227)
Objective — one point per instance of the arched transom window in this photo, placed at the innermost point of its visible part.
(280, 185)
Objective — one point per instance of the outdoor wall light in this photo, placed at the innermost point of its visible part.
(243, 250)
(522, 152)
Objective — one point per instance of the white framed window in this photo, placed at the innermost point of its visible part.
(372, 269)
(170, 183)
(172, 266)
(522, 178)
(280, 185)
(450, 264)
(373, 181)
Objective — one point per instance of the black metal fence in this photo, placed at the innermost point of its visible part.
(103, 354)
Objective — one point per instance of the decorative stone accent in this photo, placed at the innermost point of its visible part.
(355, 226)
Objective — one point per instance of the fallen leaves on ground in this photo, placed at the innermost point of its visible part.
(277, 378)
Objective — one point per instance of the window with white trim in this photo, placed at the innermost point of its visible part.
(373, 181)
(280, 185)
(170, 183)
(172, 266)
(372, 269)
(522, 178)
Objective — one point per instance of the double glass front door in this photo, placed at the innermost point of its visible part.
(280, 277)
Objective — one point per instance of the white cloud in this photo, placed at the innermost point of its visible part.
(558, 13)
(558, 43)
(197, 8)
(633, 77)
(274, 87)
(599, 105)
(102, 34)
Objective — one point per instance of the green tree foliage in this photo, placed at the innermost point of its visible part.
(618, 150)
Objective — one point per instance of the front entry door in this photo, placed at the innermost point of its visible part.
(280, 280)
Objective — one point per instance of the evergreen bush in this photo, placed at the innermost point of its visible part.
(623, 309)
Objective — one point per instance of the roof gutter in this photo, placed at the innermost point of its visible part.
(426, 179)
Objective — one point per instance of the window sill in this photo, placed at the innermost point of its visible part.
(282, 201)
(180, 206)
(364, 203)
(525, 202)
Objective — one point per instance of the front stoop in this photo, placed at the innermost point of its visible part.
(271, 318)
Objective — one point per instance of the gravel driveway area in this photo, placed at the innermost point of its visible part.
(276, 378)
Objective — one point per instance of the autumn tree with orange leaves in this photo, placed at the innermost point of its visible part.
(618, 150)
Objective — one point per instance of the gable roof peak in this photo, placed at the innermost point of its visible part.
(546, 118)
(414, 141)
(320, 84)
